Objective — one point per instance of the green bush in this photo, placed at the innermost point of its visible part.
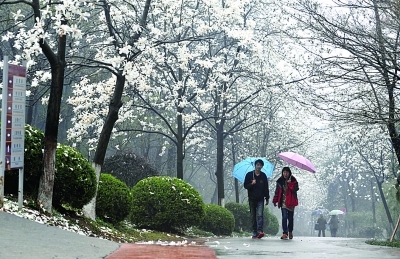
(166, 204)
(271, 223)
(113, 202)
(218, 220)
(241, 213)
(33, 155)
(129, 168)
(75, 178)
(370, 232)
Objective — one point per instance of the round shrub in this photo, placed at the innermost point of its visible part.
(166, 204)
(75, 178)
(271, 223)
(33, 155)
(113, 202)
(241, 213)
(129, 168)
(218, 220)
(370, 232)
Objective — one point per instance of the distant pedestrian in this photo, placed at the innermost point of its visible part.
(333, 225)
(286, 198)
(321, 225)
(256, 183)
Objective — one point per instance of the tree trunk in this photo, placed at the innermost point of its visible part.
(171, 170)
(391, 126)
(389, 216)
(220, 163)
(57, 64)
(214, 198)
(234, 163)
(179, 146)
(89, 210)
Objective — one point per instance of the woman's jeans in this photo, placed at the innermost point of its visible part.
(257, 215)
(287, 220)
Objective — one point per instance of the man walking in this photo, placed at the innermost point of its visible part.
(256, 183)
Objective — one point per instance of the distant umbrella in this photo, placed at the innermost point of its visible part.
(318, 212)
(336, 212)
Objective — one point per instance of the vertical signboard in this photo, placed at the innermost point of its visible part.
(15, 121)
(12, 120)
(15, 127)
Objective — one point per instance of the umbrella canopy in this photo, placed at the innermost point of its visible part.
(243, 167)
(318, 212)
(336, 212)
(297, 160)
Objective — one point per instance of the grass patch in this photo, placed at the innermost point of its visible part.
(73, 220)
(395, 243)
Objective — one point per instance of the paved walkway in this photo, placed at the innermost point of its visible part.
(25, 239)
(136, 251)
(300, 248)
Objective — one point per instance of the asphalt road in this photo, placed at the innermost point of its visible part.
(24, 239)
(300, 248)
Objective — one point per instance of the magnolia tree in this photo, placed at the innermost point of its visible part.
(43, 28)
(278, 127)
(198, 61)
(358, 172)
(375, 151)
(353, 48)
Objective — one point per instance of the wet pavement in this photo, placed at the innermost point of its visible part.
(300, 248)
(24, 239)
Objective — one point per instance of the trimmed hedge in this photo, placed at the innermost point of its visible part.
(241, 213)
(166, 204)
(114, 199)
(75, 178)
(129, 168)
(33, 155)
(218, 220)
(271, 223)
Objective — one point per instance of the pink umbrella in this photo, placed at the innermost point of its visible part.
(297, 160)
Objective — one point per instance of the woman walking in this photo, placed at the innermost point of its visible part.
(333, 225)
(286, 198)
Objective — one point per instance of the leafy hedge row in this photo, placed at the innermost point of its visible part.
(166, 203)
(159, 202)
(241, 213)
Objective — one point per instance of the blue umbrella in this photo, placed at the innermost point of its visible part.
(318, 211)
(243, 167)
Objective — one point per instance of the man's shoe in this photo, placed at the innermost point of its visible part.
(255, 235)
(260, 235)
(290, 235)
(284, 236)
